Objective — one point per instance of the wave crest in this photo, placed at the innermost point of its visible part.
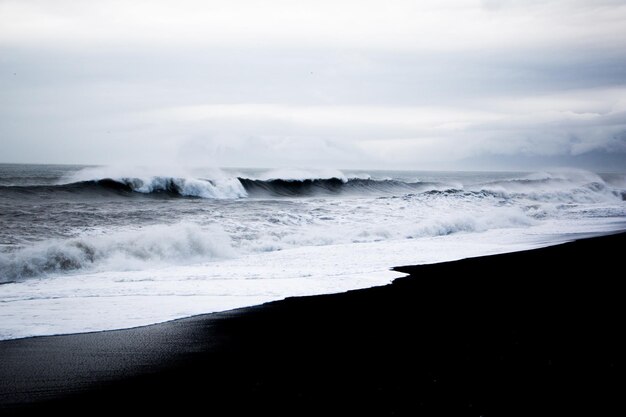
(186, 187)
(559, 187)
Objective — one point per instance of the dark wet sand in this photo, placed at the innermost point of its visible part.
(529, 333)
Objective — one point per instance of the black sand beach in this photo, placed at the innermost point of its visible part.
(529, 333)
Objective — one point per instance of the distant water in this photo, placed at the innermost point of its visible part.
(94, 248)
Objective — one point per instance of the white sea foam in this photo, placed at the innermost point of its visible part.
(565, 186)
(297, 231)
(185, 242)
(118, 251)
(189, 187)
(112, 300)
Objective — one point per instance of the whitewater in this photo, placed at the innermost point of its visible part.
(99, 248)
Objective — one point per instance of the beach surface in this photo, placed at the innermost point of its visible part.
(538, 332)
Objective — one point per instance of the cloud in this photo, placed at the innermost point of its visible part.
(430, 25)
(274, 135)
(316, 83)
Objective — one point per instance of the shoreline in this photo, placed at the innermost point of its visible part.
(452, 344)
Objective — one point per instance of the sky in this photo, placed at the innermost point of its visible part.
(379, 84)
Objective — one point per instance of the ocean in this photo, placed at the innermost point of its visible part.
(99, 248)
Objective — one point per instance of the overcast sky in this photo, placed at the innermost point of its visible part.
(442, 84)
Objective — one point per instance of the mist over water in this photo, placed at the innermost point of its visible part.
(248, 236)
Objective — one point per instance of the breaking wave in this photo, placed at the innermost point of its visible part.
(131, 249)
(156, 186)
(187, 243)
(576, 187)
(330, 186)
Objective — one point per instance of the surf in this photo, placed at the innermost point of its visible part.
(566, 186)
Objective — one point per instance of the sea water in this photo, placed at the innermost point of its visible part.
(99, 248)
